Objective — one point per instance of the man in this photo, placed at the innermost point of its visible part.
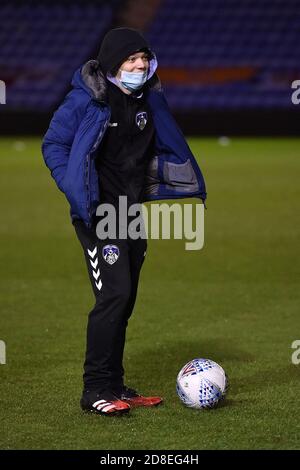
(114, 136)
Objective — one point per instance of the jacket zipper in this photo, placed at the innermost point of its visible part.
(130, 122)
(87, 168)
(101, 133)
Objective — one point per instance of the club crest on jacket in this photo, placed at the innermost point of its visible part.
(141, 119)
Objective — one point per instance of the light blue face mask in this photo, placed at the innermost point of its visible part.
(133, 81)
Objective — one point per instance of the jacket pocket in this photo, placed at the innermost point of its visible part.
(180, 176)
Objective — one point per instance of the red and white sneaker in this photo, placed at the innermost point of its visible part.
(133, 398)
(103, 403)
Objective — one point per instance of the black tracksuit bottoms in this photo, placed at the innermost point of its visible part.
(114, 274)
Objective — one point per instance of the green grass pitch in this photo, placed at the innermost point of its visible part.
(236, 301)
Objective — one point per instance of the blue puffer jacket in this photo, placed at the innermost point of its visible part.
(77, 128)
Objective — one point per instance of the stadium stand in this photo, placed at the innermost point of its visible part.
(228, 63)
(227, 55)
(41, 46)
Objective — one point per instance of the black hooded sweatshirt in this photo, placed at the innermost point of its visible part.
(128, 143)
(126, 148)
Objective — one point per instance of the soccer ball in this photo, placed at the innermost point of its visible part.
(201, 383)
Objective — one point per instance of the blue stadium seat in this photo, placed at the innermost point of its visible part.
(47, 36)
(260, 34)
